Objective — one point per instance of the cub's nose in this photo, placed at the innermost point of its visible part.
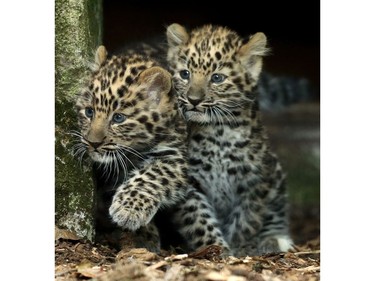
(195, 101)
(95, 144)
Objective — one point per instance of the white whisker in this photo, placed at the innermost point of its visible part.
(130, 150)
(127, 158)
(122, 163)
(218, 116)
(226, 112)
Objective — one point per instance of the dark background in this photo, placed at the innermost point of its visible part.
(292, 28)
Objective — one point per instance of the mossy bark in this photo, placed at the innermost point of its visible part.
(78, 29)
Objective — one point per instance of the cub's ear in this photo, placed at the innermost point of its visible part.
(251, 53)
(100, 58)
(100, 55)
(176, 35)
(158, 82)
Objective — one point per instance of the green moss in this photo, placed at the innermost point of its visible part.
(74, 187)
(78, 33)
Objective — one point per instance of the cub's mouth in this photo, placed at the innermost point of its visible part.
(197, 116)
(96, 155)
(195, 110)
(194, 113)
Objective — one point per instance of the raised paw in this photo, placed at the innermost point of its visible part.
(130, 212)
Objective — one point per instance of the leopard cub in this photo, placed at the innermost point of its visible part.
(129, 125)
(216, 73)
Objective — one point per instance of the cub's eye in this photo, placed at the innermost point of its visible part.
(89, 112)
(185, 74)
(118, 118)
(217, 78)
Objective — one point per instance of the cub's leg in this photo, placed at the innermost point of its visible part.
(243, 224)
(136, 202)
(197, 223)
(274, 235)
(133, 207)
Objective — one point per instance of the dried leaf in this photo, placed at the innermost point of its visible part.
(158, 265)
(132, 270)
(310, 268)
(247, 260)
(176, 257)
(137, 253)
(92, 272)
(87, 269)
(233, 260)
(208, 252)
(65, 234)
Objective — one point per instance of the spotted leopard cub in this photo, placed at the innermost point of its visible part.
(215, 73)
(128, 121)
(129, 125)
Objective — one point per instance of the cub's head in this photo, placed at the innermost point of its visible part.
(126, 108)
(214, 71)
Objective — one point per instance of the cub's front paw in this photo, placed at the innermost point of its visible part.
(276, 244)
(130, 214)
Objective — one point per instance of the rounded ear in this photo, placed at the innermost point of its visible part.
(176, 35)
(256, 46)
(251, 53)
(100, 55)
(158, 82)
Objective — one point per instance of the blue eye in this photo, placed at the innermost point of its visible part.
(185, 74)
(89, 112)
(118, 118)
(217, 78)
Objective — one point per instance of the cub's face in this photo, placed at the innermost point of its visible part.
(126, 105)
(214, 71)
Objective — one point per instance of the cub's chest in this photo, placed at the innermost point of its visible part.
(218, 161)
(217, 146)
(218, 156)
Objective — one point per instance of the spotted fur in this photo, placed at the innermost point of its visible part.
(215, 74)
(130, 126)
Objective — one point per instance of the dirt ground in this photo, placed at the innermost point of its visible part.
(81, 260)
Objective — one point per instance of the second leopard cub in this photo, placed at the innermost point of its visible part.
(215, 74)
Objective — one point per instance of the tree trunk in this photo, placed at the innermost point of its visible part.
(78, 28)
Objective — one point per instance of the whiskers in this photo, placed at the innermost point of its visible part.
(221, 114)
(79, 147)
(232, 103)
(182, 107)
(114, 161)
(218, 112)
(119, 160)
(111, 166)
